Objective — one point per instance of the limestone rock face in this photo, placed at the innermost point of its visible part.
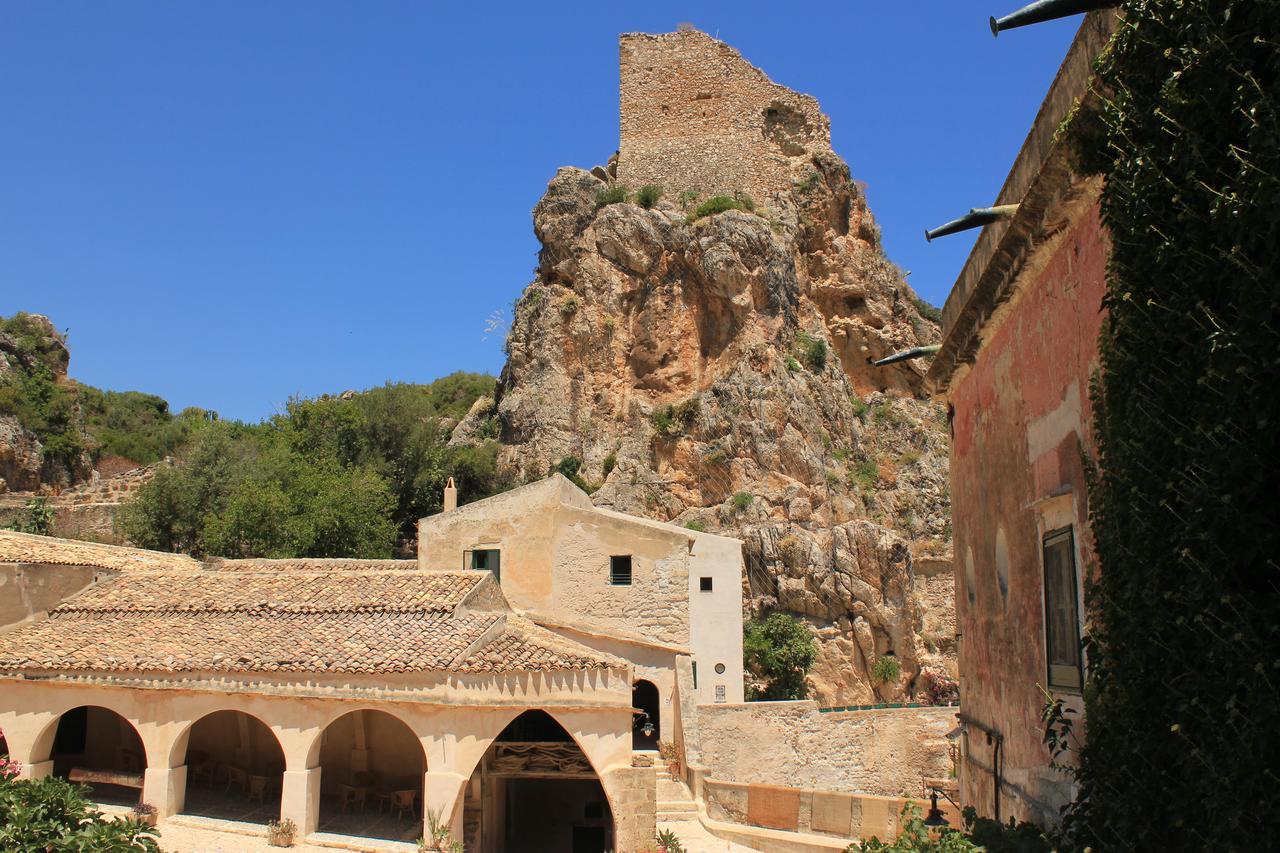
(715, 370)
(23, 466)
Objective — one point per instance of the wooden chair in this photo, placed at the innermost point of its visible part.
(204, 770)
(405, 801)
(258, 788)
(352, 795)
(237, 778)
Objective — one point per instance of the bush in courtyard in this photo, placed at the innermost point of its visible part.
(51, 814)
(778, 650)
(647, 196)
(978, 834)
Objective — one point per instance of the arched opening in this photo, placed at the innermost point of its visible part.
(647, 726)
(99, 748)
(235, 768)
(373, 768)
(535, 790)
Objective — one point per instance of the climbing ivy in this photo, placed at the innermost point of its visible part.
(1183, 714)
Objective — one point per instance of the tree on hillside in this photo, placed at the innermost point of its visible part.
(341, 476)
(779, 651)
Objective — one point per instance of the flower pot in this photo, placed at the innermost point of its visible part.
(280, 839)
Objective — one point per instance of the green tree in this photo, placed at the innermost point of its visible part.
(779, 650)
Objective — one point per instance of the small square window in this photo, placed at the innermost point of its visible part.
(488, 560)
(620, 570)
(704, 584)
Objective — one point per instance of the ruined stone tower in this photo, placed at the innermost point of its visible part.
(696, 115)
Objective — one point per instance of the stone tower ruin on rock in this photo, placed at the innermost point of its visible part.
(696, 115)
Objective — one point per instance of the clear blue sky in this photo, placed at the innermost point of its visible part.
(228, 203)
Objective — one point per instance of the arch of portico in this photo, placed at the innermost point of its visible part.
(454, 737)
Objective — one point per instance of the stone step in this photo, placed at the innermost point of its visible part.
(676, 807)
(672, 791)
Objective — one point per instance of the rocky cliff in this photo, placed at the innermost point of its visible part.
(714, 370)
(37, 401)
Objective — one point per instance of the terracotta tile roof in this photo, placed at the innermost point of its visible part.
(309, 564)
(283, 592)
(29, 548)
(243, 642)
(525, 646)
(335, 622)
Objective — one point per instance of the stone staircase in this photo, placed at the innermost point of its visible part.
(675, 803)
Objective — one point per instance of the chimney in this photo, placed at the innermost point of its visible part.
(450, 496)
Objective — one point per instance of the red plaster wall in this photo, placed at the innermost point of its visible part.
(1016, 442)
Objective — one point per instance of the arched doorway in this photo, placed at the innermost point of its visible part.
(535, 790)
(235, 768)
(99, 748)
(371, 780)
(647, 726)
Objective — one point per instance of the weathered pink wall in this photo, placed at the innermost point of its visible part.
(1022, 416)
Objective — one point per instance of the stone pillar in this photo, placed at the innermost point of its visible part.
(165, 788)
(633, 798)
(300, 799)
(443, 796)
(36, 770)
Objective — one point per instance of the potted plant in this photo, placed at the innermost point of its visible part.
(669, 754)
(145, 813)
(280, 833)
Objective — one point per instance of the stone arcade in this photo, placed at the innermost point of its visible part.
(257, 689)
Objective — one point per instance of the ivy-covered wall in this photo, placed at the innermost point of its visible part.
(1183, 711)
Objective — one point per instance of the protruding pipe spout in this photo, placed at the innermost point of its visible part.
(907, 354)
(975, 218)
(1046, 10)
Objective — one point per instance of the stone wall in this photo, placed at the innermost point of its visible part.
(884, 752)
(835, 813)
(695, 114)
(27, 588)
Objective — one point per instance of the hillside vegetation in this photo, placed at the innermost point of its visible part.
(336, 476)
(340, 476)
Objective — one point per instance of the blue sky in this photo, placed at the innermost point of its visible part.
(230, 203)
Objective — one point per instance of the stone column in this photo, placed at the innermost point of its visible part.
(300, 799)
(633, 798)
(35, 769)
(30, 739)
(443, 796)
(165, 788)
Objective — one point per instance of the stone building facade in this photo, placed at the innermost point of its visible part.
(291, 688)
(557, 556)
(1019, 351)
(697, 116)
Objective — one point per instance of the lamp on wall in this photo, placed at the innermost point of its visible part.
(646, 727)
(935, 818)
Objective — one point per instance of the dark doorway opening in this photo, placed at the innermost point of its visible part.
(101, 749)
(235, 769)
(647, 725)
(535, 791)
